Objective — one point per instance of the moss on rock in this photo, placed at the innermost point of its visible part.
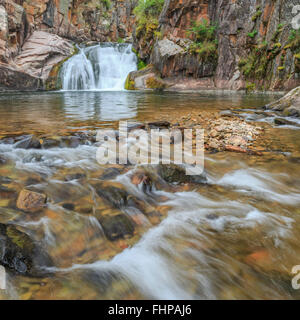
(53, 81)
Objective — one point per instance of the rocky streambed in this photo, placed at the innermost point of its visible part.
(74, 229)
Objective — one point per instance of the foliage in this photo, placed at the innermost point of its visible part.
(202, 31)
(148, 7)
(257, 14)
(205, 43)
(155, 83)
(106, 3)
(294, 41)
(252, 34)
(147, 12)
(250, 87)
(129, 83)
(206, 50)
(141, 64)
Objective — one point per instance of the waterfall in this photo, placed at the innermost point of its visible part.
(101, 67)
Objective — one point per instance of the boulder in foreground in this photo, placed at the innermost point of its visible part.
(289, 104)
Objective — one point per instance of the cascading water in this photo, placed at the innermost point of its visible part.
(101, 67)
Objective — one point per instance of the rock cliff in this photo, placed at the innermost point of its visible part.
(223, 44)
(257, 48)
(36, 35)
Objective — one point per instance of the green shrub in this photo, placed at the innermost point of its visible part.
(148, 8)
(147, 13)
(256, 15)
(294, 41)
(106, 3)
(252, 34)
(141, 64)
(202, 31)
(250, 87)
(207, 50)
(205, 44)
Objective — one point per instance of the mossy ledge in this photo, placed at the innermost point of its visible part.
(53, 81)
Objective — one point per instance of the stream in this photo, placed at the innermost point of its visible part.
(142, 232)
(234, 237)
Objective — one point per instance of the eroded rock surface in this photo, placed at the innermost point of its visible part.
(20, 254)
(41, 52)
(289, 104)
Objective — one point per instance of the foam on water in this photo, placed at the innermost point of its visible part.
(154, 273)
(263, 184)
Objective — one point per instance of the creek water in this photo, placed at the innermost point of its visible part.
(235, 237)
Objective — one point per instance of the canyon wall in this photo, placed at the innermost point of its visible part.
(255, 46)
(35, 35)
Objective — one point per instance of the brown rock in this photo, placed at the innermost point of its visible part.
(31, 201)
(235, 149)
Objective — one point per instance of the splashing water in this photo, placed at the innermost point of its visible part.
(100, 67)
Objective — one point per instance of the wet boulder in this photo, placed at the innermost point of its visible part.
(75, 176)
(176, 174)
(29, 143)
(68, 206)
(2, 160)
(31, 201)
(113, 193)
(143, 179)
(159, 125)
(8, 140)
(50, 143)
(7, 193)
(110, 173)
(294, 110)
(19, 253)
(116, 227)
(284, 122)
(289, 104)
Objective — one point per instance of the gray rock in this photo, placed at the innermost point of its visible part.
(20, 254)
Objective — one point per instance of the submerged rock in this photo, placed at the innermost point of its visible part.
(117, 227)
(19, 253)
(6, 193)
(68, 206)
(75, 176)
(113, 194)
(173, 173)
(50, 143)
(2, 160)
(110, 173)
(159, 124)
(31, 201)
(284, 122)
(144, 179)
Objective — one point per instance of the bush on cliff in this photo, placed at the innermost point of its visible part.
(147, 12)
(205, 43)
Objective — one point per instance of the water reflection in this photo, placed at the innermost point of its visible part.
(105, 106)
(50, 111)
